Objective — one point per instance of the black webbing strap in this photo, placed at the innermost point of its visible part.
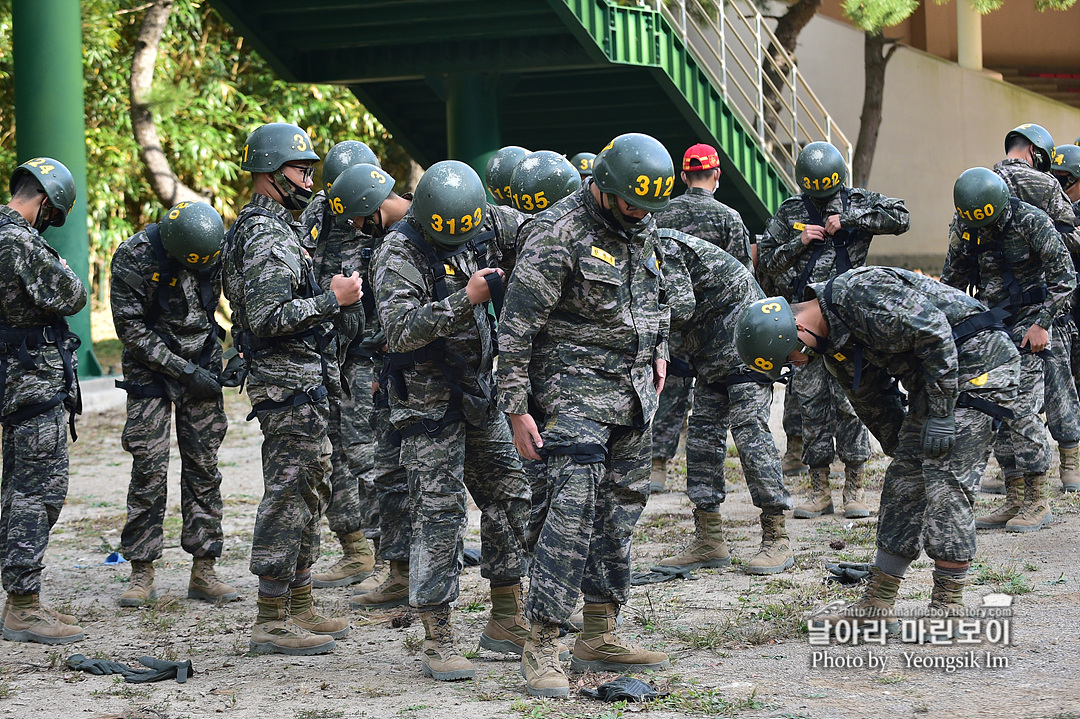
(28, 338)
(995, 411)
(141, 391)
(857, 352)
(293, 400)
(989, 320)
(582, 452)
(678, 367)
(839, 241)
(431, 427)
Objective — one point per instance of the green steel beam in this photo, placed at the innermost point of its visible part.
(49, 120)
(472, 118)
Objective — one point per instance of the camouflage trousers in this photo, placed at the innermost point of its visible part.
(928, 503)
(675, 402)
(440, 469)
(353, 505)
(792, 416)
(584, 546)
(391, 486)
(1059, 388)
(823, 407)
(34, 487)
(296, 489)
(743, 407)
(1022, 443)
(200, 428)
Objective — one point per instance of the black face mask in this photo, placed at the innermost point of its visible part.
(628, 224)
(1066, 181)
(44, 216)
(293, 196)
(820, 346)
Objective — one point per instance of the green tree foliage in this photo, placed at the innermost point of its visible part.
(210, 90)
(876, 15)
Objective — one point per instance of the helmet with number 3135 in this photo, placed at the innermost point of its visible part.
(542, 179)
(765, 334)
(450, 203)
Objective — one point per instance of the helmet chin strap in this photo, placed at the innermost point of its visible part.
(293, 196)
(44, 216)
(629, 224)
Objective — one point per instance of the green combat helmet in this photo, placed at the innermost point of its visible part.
(542, 179)
(638, 169)
(358, 192)
(1065, 165)
(980, 196)
(583, 162)
(1040, 138)
(820, 170)
(57, 182)
(343, 156)
(500, 167)
(191, 233)
(765, 335)
(271, 146)
(450, 203)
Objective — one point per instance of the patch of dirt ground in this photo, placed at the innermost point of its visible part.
(738, 644)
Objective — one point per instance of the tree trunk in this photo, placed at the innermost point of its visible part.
(165, 184)
(875, 58)
(788, 27)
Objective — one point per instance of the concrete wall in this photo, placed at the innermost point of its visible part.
(938, 121)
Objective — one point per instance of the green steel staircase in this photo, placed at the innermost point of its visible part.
(459, 78)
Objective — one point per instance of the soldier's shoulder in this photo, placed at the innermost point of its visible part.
(135, 250)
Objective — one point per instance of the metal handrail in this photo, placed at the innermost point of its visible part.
(731, 44)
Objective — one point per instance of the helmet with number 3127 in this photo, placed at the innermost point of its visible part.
(636, 168)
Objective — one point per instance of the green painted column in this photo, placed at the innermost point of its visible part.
(472, 119)
(50, 121)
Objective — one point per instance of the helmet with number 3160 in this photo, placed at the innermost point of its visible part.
(450, 203)
(980, 196)
(820, 170)
(542, 179)
(765, 334)
(636, 168)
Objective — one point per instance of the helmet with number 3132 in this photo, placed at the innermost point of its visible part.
(765, 334)
(450, 203)
(542, 179)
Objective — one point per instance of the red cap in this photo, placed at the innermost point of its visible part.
(700, 157)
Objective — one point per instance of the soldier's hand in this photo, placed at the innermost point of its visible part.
(348, 290)
(938, 436)
(526, 436)
(477, 289)
(659, 375)
(832, 225)
(201, 384)
(1036, 338)
(812, 233)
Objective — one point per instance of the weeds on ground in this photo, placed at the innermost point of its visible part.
(1007, 579)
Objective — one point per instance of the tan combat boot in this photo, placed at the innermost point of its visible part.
(303, 614)
(507, 630)
(854, 499)
(442, 660)
(875, 606)
(707, 549)
(599, 649)
(792, 463)
(394, 592)
(28, 621)
(59, 616)
(1035, 512)
(275, 632)
(375, 580)
(544, 676)
(1070, 468)
(994, 484)
(1014, 498)
(141, 587)
(355, 565)
(205, 584)
(775, 553)
(820, 500)
(658, 478)
(947, 596)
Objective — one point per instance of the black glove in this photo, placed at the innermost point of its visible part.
(160, 670)
(938, 436)
(98, 666)
(235, 371)
(200, 383)
(623, 689)
(848, 573)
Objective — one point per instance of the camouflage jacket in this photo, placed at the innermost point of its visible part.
(464, 350)
(708, 290)
(180, 332)
(1043, 191)
(1031, 250)
(698, 214)
(784, 258)
(583, 320)
(265, 273)
(902, 322)
(36, 289)
(505, 222)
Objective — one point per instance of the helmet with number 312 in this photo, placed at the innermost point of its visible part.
(636, 168)
(191, 232)
(765, 334)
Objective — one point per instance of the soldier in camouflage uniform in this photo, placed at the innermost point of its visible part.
(433, 296)
(353, 514)
(1066, 168)
(584, 333)
(874, 325)
(1012, 255)
(1026, 171)
(708, 290)
(583, 163)
(696, 213)
(285, 325)
(37, 384)
(165, 289)
(500, 168)
(813, 237)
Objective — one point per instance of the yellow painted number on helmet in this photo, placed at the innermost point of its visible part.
(585, 163)
(771, 307)
(466, 223)
(336, 205)
(824, 183)
(437, 223)
(195, 259)
(299, 144)
(762, 363)
(983, 213)
(43, 167)
(531, 202)
(643, 185)
(496, 193)
(245, 153)
(378, 177)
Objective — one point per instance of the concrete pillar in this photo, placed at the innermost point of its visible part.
(969, 52)
(50, 120)
(472, 119)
